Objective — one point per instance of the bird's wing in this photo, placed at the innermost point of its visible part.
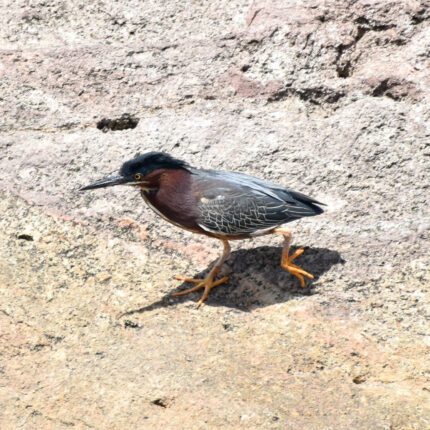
(260, 186)
(237, 204)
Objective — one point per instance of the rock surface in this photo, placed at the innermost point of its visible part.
(331, 98)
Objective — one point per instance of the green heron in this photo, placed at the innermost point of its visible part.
(219, 204)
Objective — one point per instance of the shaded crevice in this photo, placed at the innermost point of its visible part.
(316, 96)
(394, 90)
(380, 89)
(39, 346)
(131, 324)
(343, 68)
(26, 237)
(344, 65)
(359, 379)
(364, 25)
(54, 339)
(161, 402)
(281, 94)
(124, 122)
(420, 16)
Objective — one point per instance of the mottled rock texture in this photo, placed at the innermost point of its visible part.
(331, 98)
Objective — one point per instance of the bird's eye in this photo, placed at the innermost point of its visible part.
(138, 176)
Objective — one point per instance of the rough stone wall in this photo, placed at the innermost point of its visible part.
(330, 98)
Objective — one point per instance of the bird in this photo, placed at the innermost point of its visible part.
(220, 204)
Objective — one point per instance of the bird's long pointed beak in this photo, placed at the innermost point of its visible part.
(106, 182)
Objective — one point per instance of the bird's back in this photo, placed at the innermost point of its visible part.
(235, 204)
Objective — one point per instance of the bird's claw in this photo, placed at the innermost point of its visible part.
(207, 283)
(295, 270)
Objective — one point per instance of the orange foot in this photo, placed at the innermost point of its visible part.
(207, 283)
(293, 269)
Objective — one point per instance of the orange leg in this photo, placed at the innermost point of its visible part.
(208, 282)
(287, 259)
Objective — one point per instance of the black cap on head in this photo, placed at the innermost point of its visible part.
(147, 163)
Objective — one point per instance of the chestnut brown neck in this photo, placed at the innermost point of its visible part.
(169, 192)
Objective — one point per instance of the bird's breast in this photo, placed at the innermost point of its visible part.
(174, 200)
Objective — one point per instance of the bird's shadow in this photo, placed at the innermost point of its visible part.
(256, 279)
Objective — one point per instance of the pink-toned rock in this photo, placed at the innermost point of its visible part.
(327, 97)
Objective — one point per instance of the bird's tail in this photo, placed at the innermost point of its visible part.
(309, 202)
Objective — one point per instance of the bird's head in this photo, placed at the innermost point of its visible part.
(143, 171)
